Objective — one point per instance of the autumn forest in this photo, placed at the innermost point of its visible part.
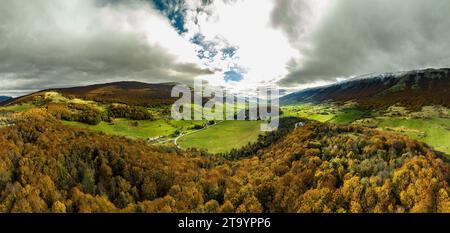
(46, 166)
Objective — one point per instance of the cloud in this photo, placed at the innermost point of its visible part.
(353, 37)
(243, 29)
(174, 10)
(237, 44)
(297, 18)
(50, 43)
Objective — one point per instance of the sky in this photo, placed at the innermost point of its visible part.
(237, 44)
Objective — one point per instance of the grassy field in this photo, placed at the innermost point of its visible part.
(184, 125)
(124, 127)
(223, 137)
(18, 108)
(326, 113)
(425, 125)
(317, 117)
(433, 131)
(430, 125)
(347, 116)
(320, 113)
(143, 129)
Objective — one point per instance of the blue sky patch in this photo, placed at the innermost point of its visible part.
(233, 75)
(208, 48)
(228, 52)
(174, 10)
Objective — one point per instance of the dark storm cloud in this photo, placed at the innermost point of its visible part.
(358, 37)
(50, 43)
(294, 17)
(174, 10)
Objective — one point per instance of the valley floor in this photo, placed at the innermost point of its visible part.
(160, 130)
(223, 137)
(430, 125)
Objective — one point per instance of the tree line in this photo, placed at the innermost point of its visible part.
(92, 115)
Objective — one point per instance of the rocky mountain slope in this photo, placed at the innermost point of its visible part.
(412, 89)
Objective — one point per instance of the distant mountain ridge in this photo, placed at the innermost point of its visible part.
(132, 93)
(128, 92)
(5, 98)
(412, 89)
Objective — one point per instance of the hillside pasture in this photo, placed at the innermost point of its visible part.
(223, 137)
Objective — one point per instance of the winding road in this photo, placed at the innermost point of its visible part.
(175, 140)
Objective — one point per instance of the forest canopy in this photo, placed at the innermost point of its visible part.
(49, 167)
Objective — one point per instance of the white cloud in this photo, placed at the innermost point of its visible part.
(263, 51)
(48, 43)
(356, 37)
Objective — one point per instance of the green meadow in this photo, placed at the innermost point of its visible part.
(128, 128)
(431, 125)
(310, 111)
(433, 131)
(223, 137)
(325, 113)
(18, 108)
(347, 116)
(142, 129)
(427, 127)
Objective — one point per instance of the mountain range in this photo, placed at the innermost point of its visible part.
(412, 89)
(129, 92)
(4, 98)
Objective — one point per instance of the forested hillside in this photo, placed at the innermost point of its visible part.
(413, 89)
(130, 93)
(49, 167)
